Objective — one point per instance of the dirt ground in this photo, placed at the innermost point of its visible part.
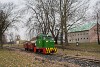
(9, 58)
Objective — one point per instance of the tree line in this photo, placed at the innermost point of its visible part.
(55, 17)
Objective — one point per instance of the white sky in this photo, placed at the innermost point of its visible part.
(20, 2)
(14, 1)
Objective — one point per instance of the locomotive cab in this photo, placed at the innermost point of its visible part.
(46, 43)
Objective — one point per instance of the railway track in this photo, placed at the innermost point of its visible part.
(83, 62)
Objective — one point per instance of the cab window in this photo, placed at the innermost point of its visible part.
(48, 37)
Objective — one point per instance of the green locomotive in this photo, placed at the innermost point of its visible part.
(44, 44)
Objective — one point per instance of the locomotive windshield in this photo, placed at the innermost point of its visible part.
(48, 37)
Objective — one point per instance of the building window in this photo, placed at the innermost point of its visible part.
(81, 38)
(78, 39)
(75, 34)
(95, 30)
(84, 33)
(84, 38)
(87, 38)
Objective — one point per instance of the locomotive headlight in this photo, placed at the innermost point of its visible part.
(54, 41)
(46, 41)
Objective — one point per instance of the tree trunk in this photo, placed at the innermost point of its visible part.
(65, 22)
(1, 43)
(61, 36)
(61, 17)
(66, 39)
(55, 40)
(98, 30)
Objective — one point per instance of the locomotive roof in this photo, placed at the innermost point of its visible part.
(42, 35)
(34, 38)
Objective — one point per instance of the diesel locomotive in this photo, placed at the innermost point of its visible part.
(43, 44)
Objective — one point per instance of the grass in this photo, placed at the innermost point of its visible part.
(84, 50)
(14, 45)
(93, 47)
(10, 58)
(89, 55)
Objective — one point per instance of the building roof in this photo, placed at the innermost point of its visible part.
(83, 27)
(34, 38)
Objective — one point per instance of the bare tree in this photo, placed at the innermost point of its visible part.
(97, 17)
(45, 17)
(11, 38)
(7, 18)
(71, 11)
(56, 15)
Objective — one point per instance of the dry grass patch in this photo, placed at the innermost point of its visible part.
(82, 54)
(94, 47)
(10, 58)
(15, 45)
(84, 50)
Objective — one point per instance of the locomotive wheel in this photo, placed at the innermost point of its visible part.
(36, 50)
(25, 49)
(39, 51)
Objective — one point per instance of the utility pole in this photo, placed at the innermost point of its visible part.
(98, 40)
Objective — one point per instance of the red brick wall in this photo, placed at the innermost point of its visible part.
(93, 34)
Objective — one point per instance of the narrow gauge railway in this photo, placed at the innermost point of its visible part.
(83, 62)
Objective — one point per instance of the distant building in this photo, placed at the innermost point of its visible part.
(33, 40)
(84, 33)
(17, 39)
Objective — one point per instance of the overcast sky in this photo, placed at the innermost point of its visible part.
(21, 30)
(21, 2)
(14, 1)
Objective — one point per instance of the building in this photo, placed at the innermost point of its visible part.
(33, 40)
(17, 39)
(83, 34)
